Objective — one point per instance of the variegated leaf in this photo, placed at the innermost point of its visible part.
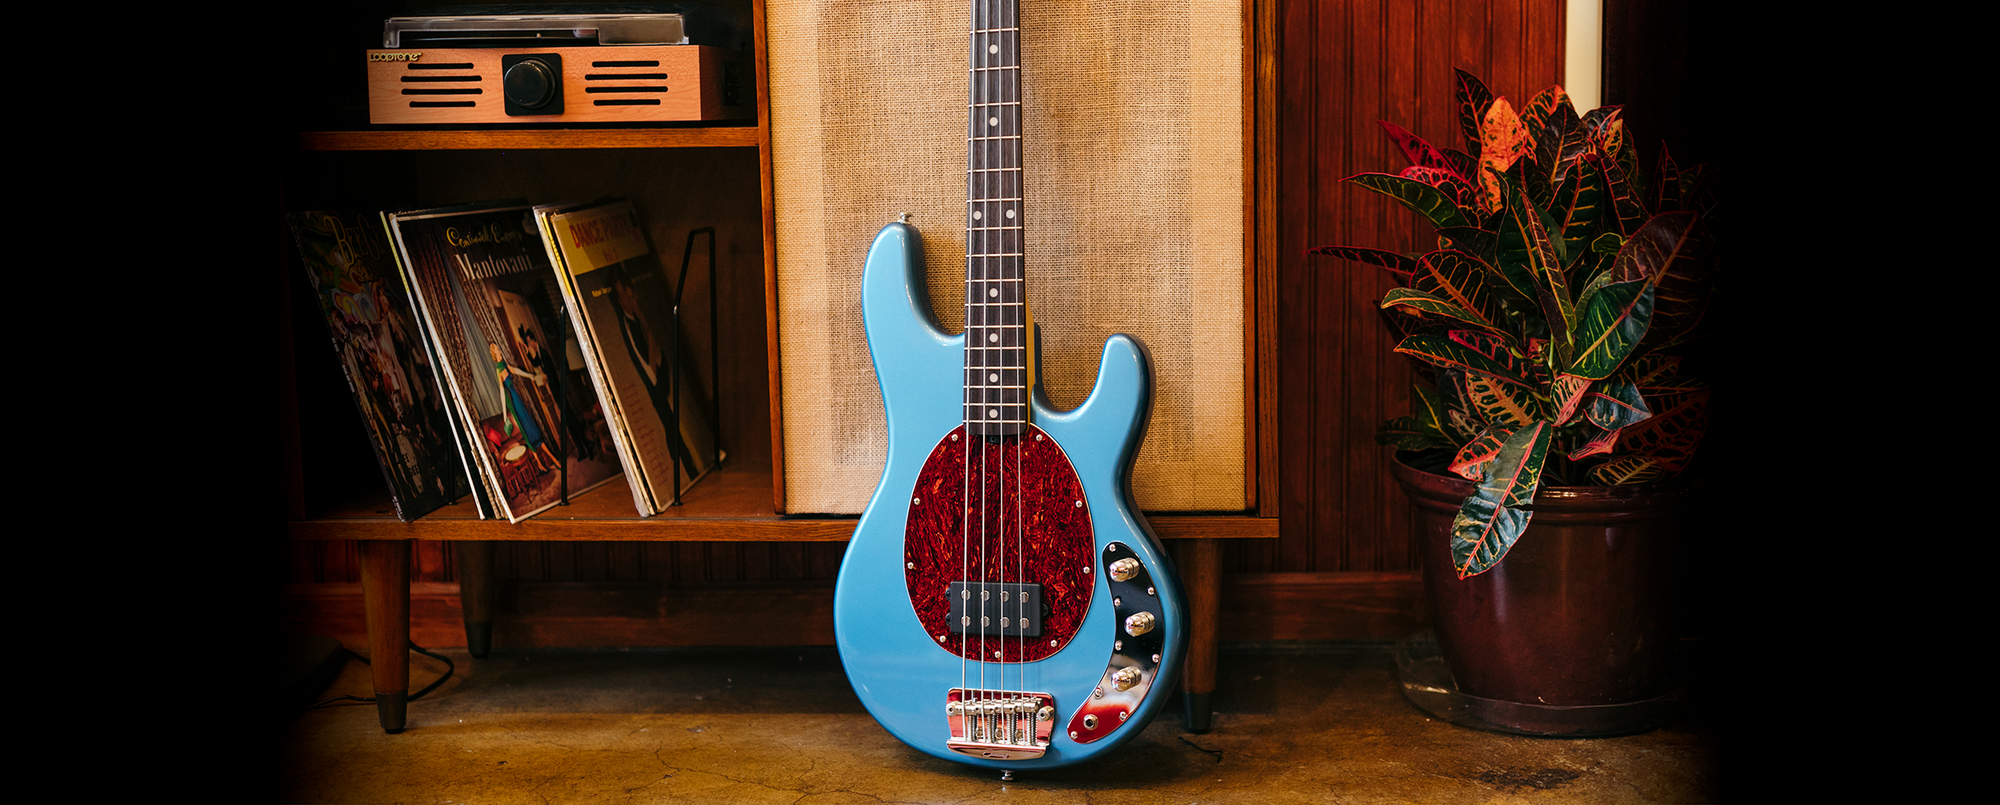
(1461, 279)
(1447, 183)
(1578, 209)
(1673, 251)
(1470, 461)
(1536, 115)
(1428, 201)
(1610, 322)
(1473, 100)
(1566, 392)
(1626, 213)
(1462, 163)
(1627, 470)
(1669, 178)
(1525, 247)
(1480, 243)
(1669, 438)
(1448, 353)
(1491, 521)
(1397, 264)
(1598, 444)
(1428, 305)
(1501, 403)
(1420, 153)
(1428, 409)
(1615, 404)
(1502, 139)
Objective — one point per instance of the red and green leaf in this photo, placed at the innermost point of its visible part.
(1449, 353)
(1578, 209)
(1449, 184)
(1461, 279)
(1501, 403)
(1480, 243)
(1627, 214)
(1669, 438)
(1428, 201)
(1420, 153)
(1470, 461)
(1491, 521)
(1611, 320)
(1566, 393)
(1525, 248)
(1536, 115)
(1673, 251)
(1502, 141)
(1397, 264)
(1615, 404)
(1599, 443)
(1628, 470)
(1429, 305)
(1669, 177)
(1473, 100)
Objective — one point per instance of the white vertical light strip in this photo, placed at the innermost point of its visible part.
(1583, 54)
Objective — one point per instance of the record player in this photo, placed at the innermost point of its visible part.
(556, 68)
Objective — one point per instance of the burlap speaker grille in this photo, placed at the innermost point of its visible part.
(1132, 139)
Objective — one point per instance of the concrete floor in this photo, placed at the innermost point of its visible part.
(1314, 723)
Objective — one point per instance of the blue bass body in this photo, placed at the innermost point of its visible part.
(900, 671)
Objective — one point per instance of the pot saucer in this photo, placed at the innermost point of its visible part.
(1428, 684)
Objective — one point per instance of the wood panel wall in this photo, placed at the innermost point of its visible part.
(1343, 65)
(1344, 565)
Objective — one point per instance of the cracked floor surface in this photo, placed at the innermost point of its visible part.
(1315, 723)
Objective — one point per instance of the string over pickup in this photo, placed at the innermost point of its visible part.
(995, 608)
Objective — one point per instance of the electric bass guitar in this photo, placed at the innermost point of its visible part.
(1003, 602)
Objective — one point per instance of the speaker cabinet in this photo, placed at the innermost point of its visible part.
(1133, 138)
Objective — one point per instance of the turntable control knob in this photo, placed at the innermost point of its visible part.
(530, 83)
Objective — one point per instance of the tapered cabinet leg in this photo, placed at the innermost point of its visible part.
(1198, 561)
(385, 591)
(475, 594)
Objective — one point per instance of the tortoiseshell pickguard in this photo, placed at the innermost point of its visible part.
(951, 537)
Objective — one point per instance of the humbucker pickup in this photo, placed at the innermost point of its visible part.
(1003, 608)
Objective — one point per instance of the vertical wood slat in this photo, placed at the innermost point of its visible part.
(1342, 65)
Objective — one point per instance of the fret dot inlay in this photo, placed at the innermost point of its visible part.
(1010, 213)
(992, 413)
(992, 291)
(992, 48)
(993, 378)
(993, 337)
(975, 215)
(993, 121)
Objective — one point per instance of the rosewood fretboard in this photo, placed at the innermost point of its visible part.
(996, 310)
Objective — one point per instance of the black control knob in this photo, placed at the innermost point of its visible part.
(532, 84)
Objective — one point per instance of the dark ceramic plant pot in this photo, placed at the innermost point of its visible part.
(1575, 628)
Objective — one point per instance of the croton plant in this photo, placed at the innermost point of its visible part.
(1546, 316)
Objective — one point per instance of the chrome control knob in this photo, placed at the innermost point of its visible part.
(1124, 569)
(1140, 623)
(1125, 678)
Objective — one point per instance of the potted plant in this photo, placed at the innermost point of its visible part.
(1558, 415)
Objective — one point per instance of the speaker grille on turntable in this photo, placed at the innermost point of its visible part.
(1133, 144)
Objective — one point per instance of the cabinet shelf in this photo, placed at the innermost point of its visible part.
(523, 139)
(731, 505)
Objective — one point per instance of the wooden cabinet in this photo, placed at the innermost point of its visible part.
(682, 176)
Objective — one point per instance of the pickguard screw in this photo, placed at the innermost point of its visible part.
(909, 566)
(916, 501)
(1079, 504)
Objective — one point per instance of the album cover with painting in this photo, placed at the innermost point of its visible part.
(489, 300)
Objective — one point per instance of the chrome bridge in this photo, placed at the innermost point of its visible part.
(1000, 724)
